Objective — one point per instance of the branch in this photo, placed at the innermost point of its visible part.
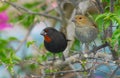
(26, 37)
(64, 22)
(113, 73)
(72, 59)
(30, 12)
(68, 71)
(111, 5)
(109, 30)
(99, 47)
(114, 53)
(109, 33)
(59, 72)
(73, 68)
(60, 11)
(100, 6)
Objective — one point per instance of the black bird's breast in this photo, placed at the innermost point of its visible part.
(58, 43)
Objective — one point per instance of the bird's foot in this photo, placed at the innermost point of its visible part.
(54, 59)
(63, 57)
(79, 55)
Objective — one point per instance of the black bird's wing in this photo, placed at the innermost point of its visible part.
(64, 36)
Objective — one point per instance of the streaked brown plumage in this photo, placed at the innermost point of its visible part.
(85, 30)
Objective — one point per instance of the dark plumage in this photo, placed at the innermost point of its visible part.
(54, 41)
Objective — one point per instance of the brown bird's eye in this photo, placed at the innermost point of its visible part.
(80, 18)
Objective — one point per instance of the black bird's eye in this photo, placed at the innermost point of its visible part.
(46, 30)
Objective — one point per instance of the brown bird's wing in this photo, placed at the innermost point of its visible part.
(95, 25)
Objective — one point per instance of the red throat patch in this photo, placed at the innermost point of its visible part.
(47, 38)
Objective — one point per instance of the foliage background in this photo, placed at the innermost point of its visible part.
(22, 53)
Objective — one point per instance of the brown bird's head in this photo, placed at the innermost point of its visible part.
(81, 20)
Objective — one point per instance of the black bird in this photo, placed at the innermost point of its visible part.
(54, 41)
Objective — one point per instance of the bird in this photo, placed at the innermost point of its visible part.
(54, 41)
(86, 31)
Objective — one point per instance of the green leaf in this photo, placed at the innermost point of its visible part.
(115, 37)
(3, 43)
(30, 43)
(116, 33)
(60, 54)
(30, 5)
(44, 57)
(12, 39)
(76, 45)
(107, 24)
(101, 16)
(25, 19)
(3, 6)
(105, 0)
(117, 18)
(33, 66)
(7, 54)
(13, 0)
(28, 20)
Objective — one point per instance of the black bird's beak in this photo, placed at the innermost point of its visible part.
(43, 33)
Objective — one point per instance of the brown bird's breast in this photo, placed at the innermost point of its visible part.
(86, 34)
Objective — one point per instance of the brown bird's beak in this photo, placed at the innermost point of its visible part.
(43, 33)
(73, 20)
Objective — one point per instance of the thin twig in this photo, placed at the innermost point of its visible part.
(100, 6)
(64, 63)
(114, 53)
(43, 73)
(113, 73)
(110, 32)
(34, 76)
(61, 11)
(111, 5)
(68, 71)
(60, 72)
(99, 47)
(30, 12)
(73, 68)
(64, 22)
(26, 37)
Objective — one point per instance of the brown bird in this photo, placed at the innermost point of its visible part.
(85, 30)
(54, 41)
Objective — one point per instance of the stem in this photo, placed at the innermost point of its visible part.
(100, 6)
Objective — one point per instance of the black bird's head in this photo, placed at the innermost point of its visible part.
(47, 33)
